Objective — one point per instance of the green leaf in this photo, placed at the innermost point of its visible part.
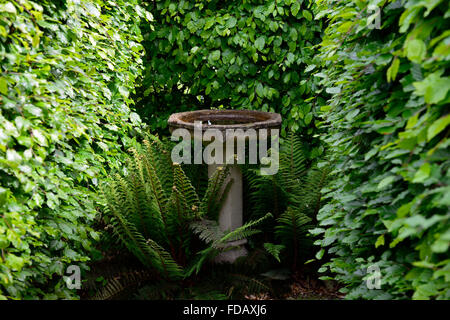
(8, 7)
(404, 210)
(273, 26)
(295, 7)
(310, 67)
(412, 121)
(260, 90)
(333, 90)
(415, 50)
(36, 39)
(231, 22)
(434, 88)
(320, 253)
(135, 118)
(14, 262)
(380, 241)
(423, 173)
(393, 69)
(440, 246)
(437, 126)
(385, 182)
(124, 91)
(260, 43)
(425, 291)
(308, 118)
(286, 100)
(3, 86)
(40, 138)
(308, 16)
(345, 27)
(215, 55)
(209, 23)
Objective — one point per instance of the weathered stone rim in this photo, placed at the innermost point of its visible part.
(253, 119)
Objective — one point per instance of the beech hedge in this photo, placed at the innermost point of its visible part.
(387, 120)
(67, 71)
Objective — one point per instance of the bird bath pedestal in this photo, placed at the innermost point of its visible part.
(230, 216)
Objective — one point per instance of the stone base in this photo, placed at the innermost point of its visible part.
(230, 216)
(232, 254)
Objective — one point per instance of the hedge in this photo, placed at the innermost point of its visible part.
(68, 68)
(387, 121)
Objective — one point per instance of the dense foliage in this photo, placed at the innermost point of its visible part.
(387, 119)
(233, 54)
(67, 70)
(152, 206)
(158, 215)
(293, 196)
(363, 84)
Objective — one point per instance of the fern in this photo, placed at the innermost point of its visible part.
(252, 285)
(214, 197)
(118, 285)
(292, 163)
(148, 251)
(259, 187)
(274, 250)
(295, 197)
(311, 196)
(210, 232)
(151, 207)
(244, 231)
(292, 229)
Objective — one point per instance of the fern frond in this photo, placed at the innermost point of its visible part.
(188, 198)
(210, 232)
(166, 262)
(292, 162)
(202, 257)
(295, 191)
(207, 230)
(274, 250)
(120, 283)
(244, 231)
(158, 152)
(152, 176)
(146, 217)
(215, 193)
(143, 212)
(259, 187)
(252, 285)
(292, 229)
(148, 251)
(198, 175)
(292, 224)
(316, 180)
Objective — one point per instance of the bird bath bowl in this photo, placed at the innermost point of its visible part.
(226, 119)
(225, 122)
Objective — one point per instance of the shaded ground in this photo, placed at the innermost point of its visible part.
(121, 276)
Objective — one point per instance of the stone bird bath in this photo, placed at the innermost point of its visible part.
(230, 216)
